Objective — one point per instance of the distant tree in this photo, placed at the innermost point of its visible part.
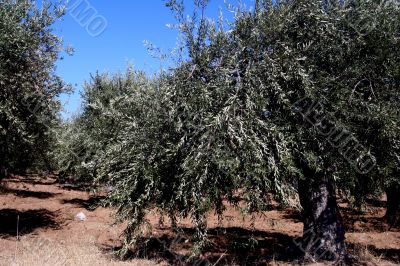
(83, 141)
(28, 84)
(372, 109)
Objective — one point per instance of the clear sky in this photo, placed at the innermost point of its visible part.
(111, 34)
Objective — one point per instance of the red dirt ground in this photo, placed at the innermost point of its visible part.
(48, 230)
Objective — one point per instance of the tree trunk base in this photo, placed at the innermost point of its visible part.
(3, 172)
(323, 233)
(393, 205)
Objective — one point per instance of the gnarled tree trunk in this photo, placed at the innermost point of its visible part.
(392, 204)
(323, 233)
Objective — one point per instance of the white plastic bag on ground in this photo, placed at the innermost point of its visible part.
(81, 216)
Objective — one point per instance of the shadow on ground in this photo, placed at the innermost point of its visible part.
(357, 222)
(28, 193)
(390, 254)
(28, 221)
(76, 187)
(229, 246)
(378, 203)
(232, 246)
(32, 181)
(293, 215)
(90, 204)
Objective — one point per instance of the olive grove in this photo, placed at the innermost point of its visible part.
(292, 101)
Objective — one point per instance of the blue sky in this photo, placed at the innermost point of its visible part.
(112, 35)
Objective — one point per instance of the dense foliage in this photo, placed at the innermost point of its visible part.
(296, 98)
(28, 84)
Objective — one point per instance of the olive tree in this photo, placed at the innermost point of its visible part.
(28, 84)
(82, 141)
(371, 109)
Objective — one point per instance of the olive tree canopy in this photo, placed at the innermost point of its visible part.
(28, 84)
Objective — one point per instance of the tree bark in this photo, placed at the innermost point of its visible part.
(3, 159)
(3, 172)
(323, 233)
(392, 204)
(3, 168)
